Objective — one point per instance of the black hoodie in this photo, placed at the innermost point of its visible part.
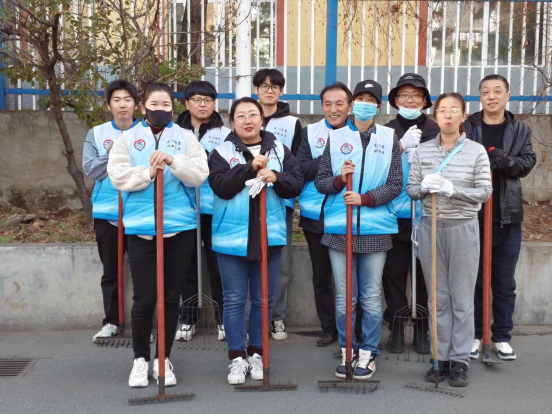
(282, 111)
(184, 120)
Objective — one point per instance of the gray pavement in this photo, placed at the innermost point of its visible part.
(74, 376)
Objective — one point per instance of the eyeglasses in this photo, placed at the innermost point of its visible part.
(265, 87)
(197, 101)
(452, 111)
(414, 96)
(243, 117)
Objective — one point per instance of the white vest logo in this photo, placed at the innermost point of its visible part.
(140, 144)
(234, 162)
(107, 143)
(346, 148)
(320, 143)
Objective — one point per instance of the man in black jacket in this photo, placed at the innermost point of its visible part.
(411, 97)
(508, 143)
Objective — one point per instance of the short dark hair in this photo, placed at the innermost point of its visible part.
(276, 77)
(334, 86)
(495, 76)
(456, 96)
(153, 86)
(121, 85)
(246, 99)
(202, 88)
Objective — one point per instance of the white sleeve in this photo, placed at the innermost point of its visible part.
(191, 168)
(123, 175)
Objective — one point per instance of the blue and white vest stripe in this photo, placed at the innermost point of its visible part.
(231, 217)
(403, 202)
(346, 144)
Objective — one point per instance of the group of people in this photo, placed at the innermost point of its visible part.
(409, 159)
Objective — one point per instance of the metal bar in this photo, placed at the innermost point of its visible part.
(257, 33)
(510, 45)
(189, 11)
(349, 37)
(298, 54)
(331, 42)
(202, 37)
(522, 59)
(485, 39)
(497, 35)
(456, 49)
(230, 58)
(547, 56)
(416, 48)
(271, 48)
(363, 41)
(403, 37)
(243, 49)
(285, 37)
(312, 56)
(443, 46)
(429, 51)
(376, 42)
(2, 73)
(216, 17)
(389, 51)
(470, 49)
(198, 251)
(174, 30)
(536, 60)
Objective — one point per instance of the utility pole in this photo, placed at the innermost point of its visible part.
(243, 49)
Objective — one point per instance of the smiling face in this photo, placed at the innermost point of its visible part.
(494, 96)
(450, 115)
(410, 97)
(336, 108)
(247, 122)
(122, 106)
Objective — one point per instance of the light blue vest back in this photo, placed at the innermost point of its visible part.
(346, 144)
(231, 217)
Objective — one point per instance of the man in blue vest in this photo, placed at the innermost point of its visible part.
(122, 99)
(202, 120)
(269, 86)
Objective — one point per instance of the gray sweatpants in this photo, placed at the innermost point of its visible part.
(457, 264)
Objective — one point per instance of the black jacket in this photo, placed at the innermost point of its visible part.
(184, 120)
(522, 159)
(282, 111)
(227, 182)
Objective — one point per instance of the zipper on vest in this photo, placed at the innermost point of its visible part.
(360, 185)
(155, 185)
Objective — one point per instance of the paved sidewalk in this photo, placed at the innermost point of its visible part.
(74, 376)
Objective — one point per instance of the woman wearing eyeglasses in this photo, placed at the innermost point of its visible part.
(457, 170)
(247, 153)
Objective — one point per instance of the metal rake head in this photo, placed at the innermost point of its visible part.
(160, 398)
(428, 388)
(403, 327)
(115, 342)
(202, 313)
(354, 386)
(287, 386)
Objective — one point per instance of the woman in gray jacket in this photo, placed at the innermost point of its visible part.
(457, 169)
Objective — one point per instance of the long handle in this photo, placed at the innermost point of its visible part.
(413, 261)
(198, 242)
(264, 281)
(160, 281)
(349, 287)
(120, 268)
(434, 287)
(487, 266)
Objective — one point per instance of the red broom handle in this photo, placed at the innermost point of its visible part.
(487, 265)
(264, 277)
(120, 264)
(160, 275)
(349, 280)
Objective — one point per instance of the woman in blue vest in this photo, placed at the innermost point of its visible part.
(371, 153)
(157, 144)
(247, 153)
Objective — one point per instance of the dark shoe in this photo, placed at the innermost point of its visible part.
(458, 374)
(421, 341)
(444, 371)
(327, 339)
(396, 340)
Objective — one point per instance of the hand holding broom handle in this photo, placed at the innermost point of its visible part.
(349, 287)
(160, 281)
(434, 287)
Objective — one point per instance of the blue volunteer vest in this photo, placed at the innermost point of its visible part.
(403, 202)
(105, 197)
(179, 212)
(345, 145)
(231, 217)
(284, 130)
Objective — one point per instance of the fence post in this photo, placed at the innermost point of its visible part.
(331, 42)
(2, 75)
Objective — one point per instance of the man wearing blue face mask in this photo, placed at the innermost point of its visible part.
(411, 97)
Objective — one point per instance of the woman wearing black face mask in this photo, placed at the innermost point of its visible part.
(154, 144)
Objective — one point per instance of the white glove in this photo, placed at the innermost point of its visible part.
(446, 188)
(256, 185)
(410, 154)
(411, 138)
(432, 182)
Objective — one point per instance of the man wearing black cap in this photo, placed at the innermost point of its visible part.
(411, 126)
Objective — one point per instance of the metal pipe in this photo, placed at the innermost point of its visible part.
(331, 42)
(243, 49)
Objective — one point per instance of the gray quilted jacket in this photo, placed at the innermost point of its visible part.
(469, 172)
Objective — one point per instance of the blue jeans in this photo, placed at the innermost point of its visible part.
(367, 271)
(238, 275)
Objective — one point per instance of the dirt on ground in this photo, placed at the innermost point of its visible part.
(69, 226)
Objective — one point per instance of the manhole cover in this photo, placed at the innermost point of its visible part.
(15, 368)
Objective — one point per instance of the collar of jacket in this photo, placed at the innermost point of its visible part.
(282, 110)
(430, 128)
(477, 118)
(185, 121)
(460, 139)
(267, 142)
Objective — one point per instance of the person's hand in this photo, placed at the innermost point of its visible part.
(351, 198)
(158, 160)
(498, 158)
(432, 182)
(410, 154)
(259, 162)
(411, 138)
(269, 176)
(347, 168)
(445, 189)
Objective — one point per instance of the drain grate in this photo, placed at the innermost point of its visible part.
(15, 367)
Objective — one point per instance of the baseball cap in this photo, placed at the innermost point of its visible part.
(410, 79)
(369, 86)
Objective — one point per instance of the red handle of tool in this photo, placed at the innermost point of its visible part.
(349, 278)
(264, 276)
(120, 264)
(487, 266)
(160, 275)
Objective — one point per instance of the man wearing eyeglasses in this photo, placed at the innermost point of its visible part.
(411, 97)
(206, 124)
(269, 86)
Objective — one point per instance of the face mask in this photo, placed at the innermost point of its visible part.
(408, 113)
(159, 118)
(364, 111)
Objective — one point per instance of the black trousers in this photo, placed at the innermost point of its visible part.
(143, 266)
(189, 286)
(395, 275)
(106, 237)
(322, 281)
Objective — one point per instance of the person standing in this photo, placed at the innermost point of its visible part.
(508, 143)
(411, 97)
(122, 101)
(205, 123)
(269, 86)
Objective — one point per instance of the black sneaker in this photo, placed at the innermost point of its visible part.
(327, 339)
(396, 340)
(341, 370)
(278, 330)
(444, 371)
(458, 374)
(421, 341)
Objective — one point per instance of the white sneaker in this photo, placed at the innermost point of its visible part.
(221, 333)
(366, 365)
(476, 347)
(505, 351)
(185, 332)
(255, 366)
(341, 370)
(170, 379)
(139, 374)
(107, 331)
(279, 330)
(238, 370)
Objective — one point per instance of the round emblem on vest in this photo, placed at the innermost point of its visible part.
(234, 162)
(140, 144)
(346, 148)
(107, 143)
(320, 143)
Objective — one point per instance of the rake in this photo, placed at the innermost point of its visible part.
(161, 396)
(349, 384)
(265, 385)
